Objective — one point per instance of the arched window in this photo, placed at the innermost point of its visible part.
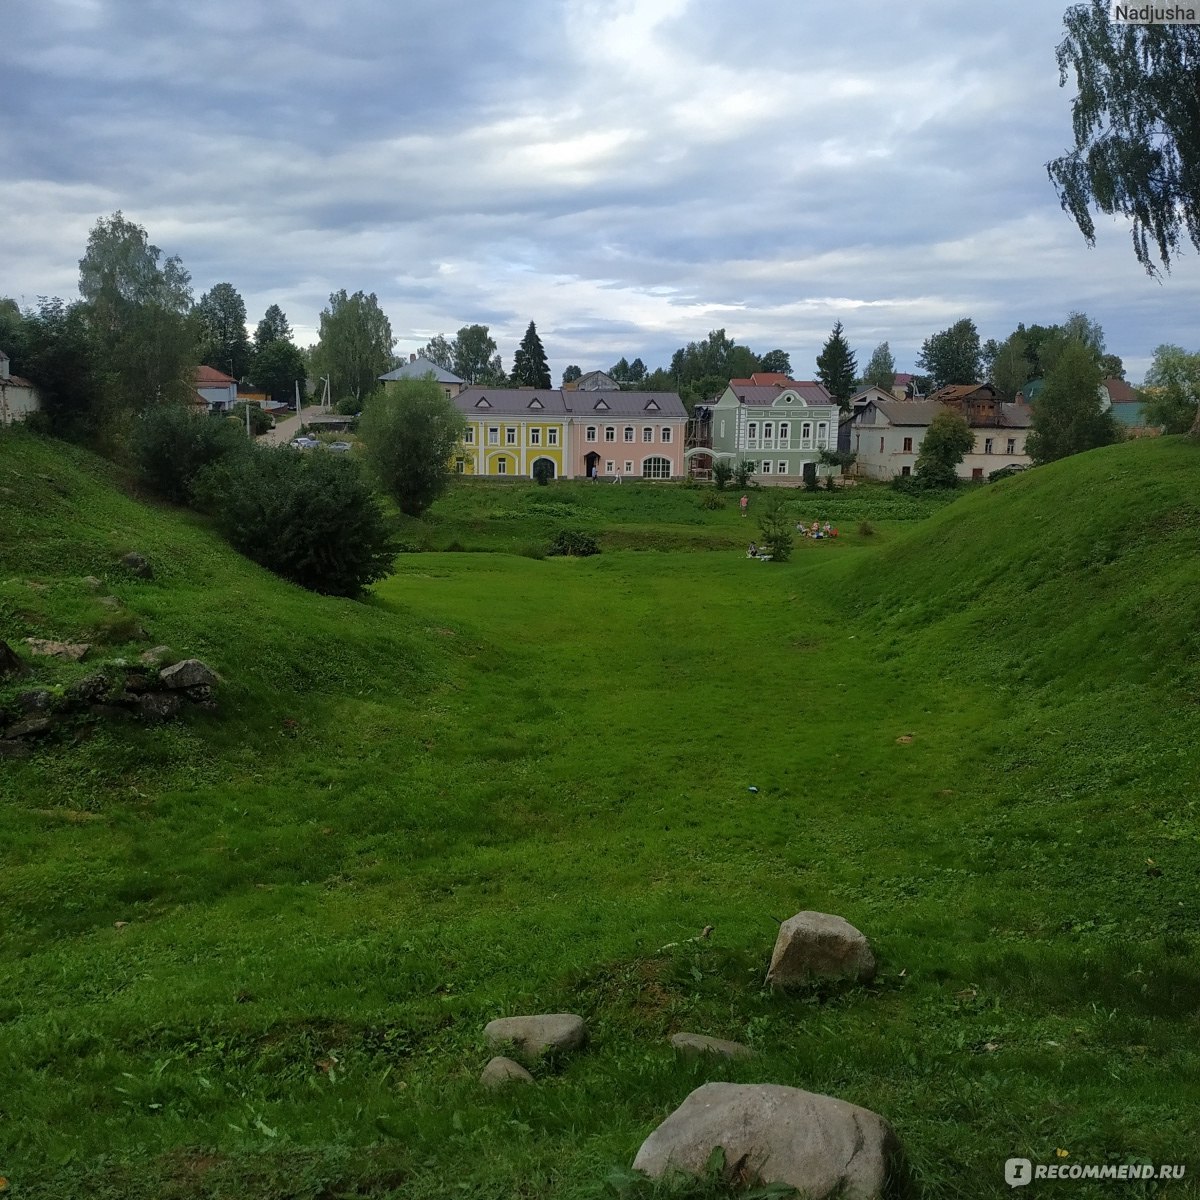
(656, 468)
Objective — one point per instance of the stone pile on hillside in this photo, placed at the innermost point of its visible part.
(146, 691)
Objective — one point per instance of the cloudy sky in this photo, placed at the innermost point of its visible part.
(628, 174)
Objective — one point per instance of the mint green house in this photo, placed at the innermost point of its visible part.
(775, 423)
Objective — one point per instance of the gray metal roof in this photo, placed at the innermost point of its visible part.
(766, 395)
(598, 406)
(922, 412)
(418, 368)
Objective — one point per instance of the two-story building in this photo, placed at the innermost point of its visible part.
(512, 430)
(887, 434)
(572, 434)
(777, 424)
(215, 390)
(419, 367)
(630, 434)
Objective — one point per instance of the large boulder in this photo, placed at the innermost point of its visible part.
(10, 662)
(535, 1035)
(187, 674)
(813, 946)
(158, 706)
(818, 1145)
(137, 564)
(693, 1045)
(502, 1071)
(70, 651)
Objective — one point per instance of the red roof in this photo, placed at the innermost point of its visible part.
(1119, 392)
(208, 376)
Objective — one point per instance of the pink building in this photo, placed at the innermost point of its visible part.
(637, 435)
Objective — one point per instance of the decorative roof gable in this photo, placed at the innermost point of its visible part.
(601, 406)
(482, 402)
(536, 403)
(652, 405)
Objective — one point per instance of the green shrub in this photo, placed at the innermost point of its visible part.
(574, 543)
(722, 474)
(743, 474)
(311, 518)
(543, 472)
(866, 529)
(171, 445)
(259, 421)
(712, 501)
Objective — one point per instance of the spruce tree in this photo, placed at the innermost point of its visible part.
(881, 370)
(836, 367)
(530, 368)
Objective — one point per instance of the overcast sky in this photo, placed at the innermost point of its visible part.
(629, 175)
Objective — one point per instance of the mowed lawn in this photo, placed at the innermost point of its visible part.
(591, 761)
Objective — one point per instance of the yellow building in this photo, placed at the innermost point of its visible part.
(510, 431)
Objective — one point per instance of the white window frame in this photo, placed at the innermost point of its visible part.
(535, 437)
(1012, 445)
(510, 435)
(628, 467)
(494, 435)
(608, 467)
(552, 437)
(782, 465)
(765, 467)
(628, 435)
(666, 432)
(502, 466)
(647, 433)
(768, 431)
(469, 436)
(590, 434)
(610, 433)
(987, 445)
(784, 432)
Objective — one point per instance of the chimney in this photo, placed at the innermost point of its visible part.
(412, 358)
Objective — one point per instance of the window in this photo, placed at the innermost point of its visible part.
(502, 466)
(552, 437)
(493, 436)
(784, 430)
(768, 430)
(656, 468)
(722, 429)
(752, 430)
(823, 431)
(610, 434)
(806, 431)
(782, 467)
(628, 467)
(608, 467)
(469, 436)
(591, 433)
(460, 466)
(976, 472)
(666, 432)
(510, 436)
(987, 445)
(647, 434)
(1012, 445)
(535, 437)
(629, 433)
(881, 445)
(766, 467)
(908, 445)
(906, 470)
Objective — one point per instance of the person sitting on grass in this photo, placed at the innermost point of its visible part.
(752, 552)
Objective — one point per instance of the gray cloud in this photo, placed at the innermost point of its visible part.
(629, 175)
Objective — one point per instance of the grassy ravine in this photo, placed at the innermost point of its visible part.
(504, 783)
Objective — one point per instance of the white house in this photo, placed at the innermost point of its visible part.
(886, 435)
(215, 389)
(18, 397)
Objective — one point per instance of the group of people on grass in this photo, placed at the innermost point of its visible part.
(817, 530)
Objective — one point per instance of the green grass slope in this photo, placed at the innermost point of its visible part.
(508, 784)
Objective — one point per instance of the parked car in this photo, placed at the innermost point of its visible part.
(1005, 472)
(341, 447)
(304, 443)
